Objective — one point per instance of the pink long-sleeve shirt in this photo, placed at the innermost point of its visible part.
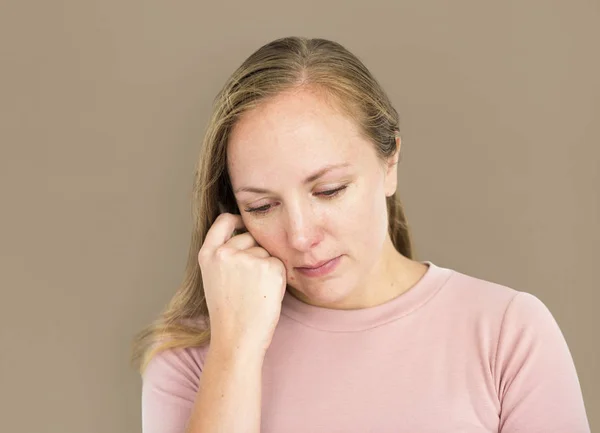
(452, 354)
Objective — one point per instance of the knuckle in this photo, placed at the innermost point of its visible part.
(226, 215)
(221, 218)
(222, 253)
(202, 256)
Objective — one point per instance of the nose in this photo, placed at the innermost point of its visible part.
(304, 230)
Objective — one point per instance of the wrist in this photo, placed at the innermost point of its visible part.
(236, 350)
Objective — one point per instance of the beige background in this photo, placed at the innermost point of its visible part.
(103, 106)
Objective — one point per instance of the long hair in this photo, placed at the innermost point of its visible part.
(283, 64)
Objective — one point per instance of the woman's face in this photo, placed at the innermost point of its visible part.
(274, 149)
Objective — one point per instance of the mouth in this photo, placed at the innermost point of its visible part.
(325, 268)
(316, 265)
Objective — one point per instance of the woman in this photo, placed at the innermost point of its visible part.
(321, 320)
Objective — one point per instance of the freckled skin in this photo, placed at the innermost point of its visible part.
(275, 147)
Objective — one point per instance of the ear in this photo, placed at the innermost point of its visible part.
(391, 174)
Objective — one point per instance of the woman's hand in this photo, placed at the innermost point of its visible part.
(243, 284)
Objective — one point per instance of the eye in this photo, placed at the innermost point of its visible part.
(326, 194)
(332, 192)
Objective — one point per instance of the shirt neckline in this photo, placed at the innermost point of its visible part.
(334, 320)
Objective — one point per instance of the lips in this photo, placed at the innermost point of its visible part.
(316, 265)
(327, 268)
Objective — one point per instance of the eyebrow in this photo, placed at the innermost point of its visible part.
(309, 179)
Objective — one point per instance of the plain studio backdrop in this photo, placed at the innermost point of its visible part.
(103, 106)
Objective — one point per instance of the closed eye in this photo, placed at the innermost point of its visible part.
(329, 194)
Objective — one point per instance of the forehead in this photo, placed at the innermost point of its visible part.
(294, 133)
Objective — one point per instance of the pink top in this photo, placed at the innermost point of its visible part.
(452, 354)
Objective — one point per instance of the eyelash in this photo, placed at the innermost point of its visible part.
(330, 194)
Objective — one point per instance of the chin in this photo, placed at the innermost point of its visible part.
(326, 294)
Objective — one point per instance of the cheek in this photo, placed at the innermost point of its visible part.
(355, 214)
(363, 222)
(266, 237)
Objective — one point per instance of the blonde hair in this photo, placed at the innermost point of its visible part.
(281, 65)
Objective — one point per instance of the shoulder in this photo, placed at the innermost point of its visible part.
(476, 297)
(529, 328)
(178, 359)
(505, 316)
(175, 368)
(170, 383)
(513, 306)
(517, 323)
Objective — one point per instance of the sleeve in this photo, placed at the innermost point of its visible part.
(169, 387)
(535, 376)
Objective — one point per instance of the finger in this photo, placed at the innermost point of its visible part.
(242, 242)
(279, 263)
(258, 252)
(221, 231)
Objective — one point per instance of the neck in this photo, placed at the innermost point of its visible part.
(392, 275)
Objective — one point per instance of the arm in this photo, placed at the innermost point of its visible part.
(230, 398)
(535, 376)
(223, 395)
